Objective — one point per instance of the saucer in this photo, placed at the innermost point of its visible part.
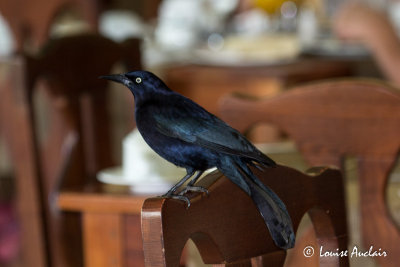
(114, 175)
(153, 185)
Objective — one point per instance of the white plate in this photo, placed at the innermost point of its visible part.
(251, 51)
(115, 176)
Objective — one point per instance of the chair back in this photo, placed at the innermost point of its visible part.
(227, 228)
(30, 21)
(329, 120)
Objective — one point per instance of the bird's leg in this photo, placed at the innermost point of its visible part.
(192, 188)
(194, 180)
(181, 182)
(171, 192)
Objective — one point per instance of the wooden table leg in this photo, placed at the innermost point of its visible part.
(102, 238)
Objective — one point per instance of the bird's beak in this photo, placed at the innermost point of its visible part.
(120, 78)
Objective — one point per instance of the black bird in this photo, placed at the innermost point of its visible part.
(187, 135)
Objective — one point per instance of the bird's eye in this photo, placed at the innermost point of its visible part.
(138, 80)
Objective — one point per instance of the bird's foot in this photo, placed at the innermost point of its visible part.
(193, 189)
(178, 197)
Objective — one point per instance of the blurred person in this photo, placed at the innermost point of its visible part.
(359, 22)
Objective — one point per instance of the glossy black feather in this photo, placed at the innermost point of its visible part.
(187, 135)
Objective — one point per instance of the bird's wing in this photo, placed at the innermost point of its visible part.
(191, 123)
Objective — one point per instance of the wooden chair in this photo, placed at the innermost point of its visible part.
(30, 21)
(77, 143)
(329, 120)
(17, 132)
(227, 228)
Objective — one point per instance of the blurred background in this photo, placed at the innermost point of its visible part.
(56, 136)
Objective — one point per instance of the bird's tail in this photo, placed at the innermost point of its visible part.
(270, 206)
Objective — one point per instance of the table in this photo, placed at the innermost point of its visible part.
(207, 83)
(110, 224)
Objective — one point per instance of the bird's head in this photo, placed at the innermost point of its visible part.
(140, 83)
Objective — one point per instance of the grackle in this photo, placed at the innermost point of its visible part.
(187, 135)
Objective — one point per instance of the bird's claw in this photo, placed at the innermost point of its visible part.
(193, 189)
(178, 197)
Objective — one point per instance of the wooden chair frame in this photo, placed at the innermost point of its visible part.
(227, 228)
(329, 120)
